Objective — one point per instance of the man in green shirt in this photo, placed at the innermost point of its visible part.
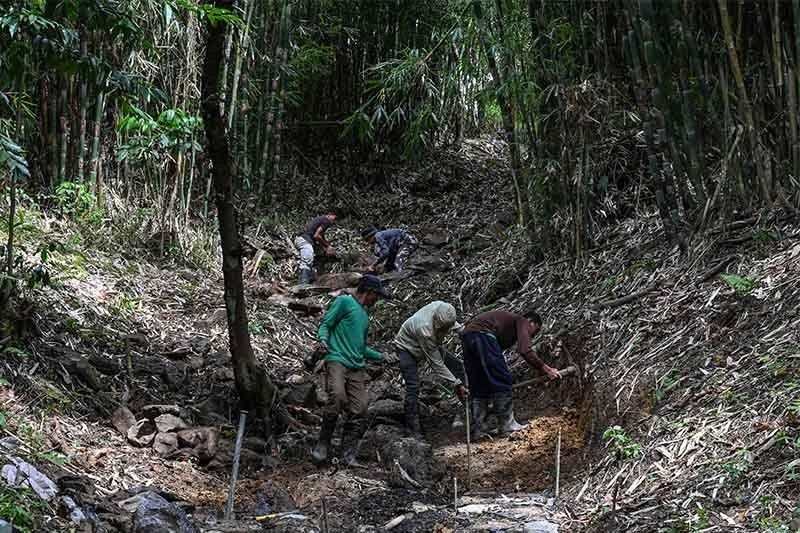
(343, 333)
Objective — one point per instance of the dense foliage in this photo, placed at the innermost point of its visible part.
(606, 106)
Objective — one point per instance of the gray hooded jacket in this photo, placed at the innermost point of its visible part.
(423, 334)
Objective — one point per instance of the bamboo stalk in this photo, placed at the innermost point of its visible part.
(744, 101)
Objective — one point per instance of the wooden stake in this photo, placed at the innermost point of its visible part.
(455, 494)
(558, 462)
(235, 473)
(324, 517)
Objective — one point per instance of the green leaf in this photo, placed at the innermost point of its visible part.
(2, 419)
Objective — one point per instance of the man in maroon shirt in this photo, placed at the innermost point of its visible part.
(484, 339)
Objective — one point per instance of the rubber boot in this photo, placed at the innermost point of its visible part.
(305, 276)
(351, 439)
(320, 452)
(413, 428)
(504, 408)
(479, 408)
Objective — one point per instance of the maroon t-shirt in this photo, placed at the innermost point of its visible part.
(509, 329)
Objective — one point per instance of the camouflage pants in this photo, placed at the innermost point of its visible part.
(407, 247)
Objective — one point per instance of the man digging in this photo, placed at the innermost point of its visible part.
(419, 342)
(314, 235)
(484, 339)
(343, 334)
(392, 247)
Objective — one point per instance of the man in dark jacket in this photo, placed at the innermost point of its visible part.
(484, 340)
(392, 246)
(314, 235)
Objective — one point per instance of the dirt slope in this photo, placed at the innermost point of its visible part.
(701, 379)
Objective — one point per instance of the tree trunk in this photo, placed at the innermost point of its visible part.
(84, 103)
(94, 165)
(256, 390)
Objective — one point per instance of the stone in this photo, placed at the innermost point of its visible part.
(153, 411)
(304, 394)
(540, 526)
(170, 423)
(414, 456)
(430, 263)
(165, 444)
(10, 444)
(76, 514)
(436, 239)
(43, 486)
(276, 498)
(154, 514)
(380, 436)
(122, 419)
(390, 409)
(307, 306)
(9, 475)
(142, 433)
(341, 280)
(202, 440)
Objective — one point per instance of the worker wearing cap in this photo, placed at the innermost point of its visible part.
(419, 342)
(343, 334)
(392, 247)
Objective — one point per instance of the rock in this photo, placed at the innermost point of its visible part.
(169, 423)
(256, 444)
(10, 444)
(142, 433)
(431, 263)
(540, 526)
(23, 472)
(154, 514)
(165, 444)
(294, 379)
(277, 498)
(202, 440)
(75, 513)
(436, 239)
(304, 394)
(339, 281)
(380, 436)
(122, 419)
(388, 408)
(307, 306)
(154, 411)
(414, 456)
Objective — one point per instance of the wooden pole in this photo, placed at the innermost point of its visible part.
(558, 462)
(235, 473)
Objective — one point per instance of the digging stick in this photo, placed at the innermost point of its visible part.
(466, 425)
(568, 371)
(235, 473)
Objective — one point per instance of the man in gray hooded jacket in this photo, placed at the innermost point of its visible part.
(420, 341)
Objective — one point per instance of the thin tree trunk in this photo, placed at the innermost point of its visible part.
(62, 160)
(744, 101)
(237, 68)
(84, 103)
(94, 171)
(256, 390)
(7, 287)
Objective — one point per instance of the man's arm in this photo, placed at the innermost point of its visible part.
(527, 351)
(319, 236)
(332, 317)
(372, 354)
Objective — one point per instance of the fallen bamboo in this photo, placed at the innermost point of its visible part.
(568, 371)
(625, 299)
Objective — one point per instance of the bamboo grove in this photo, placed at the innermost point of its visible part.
(687, 109)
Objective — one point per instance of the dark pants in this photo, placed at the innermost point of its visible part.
(486, 366)
(408, 368)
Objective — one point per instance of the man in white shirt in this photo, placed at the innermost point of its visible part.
(420, 341)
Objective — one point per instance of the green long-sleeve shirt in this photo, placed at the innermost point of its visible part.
(344, 329)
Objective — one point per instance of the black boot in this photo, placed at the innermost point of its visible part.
(504, 409)
(479, 408)
(306, 276)
(413, 428)
(320, 452)
(351, 439)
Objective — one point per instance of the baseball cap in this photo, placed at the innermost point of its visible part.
(373, 283)
(368, 232)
